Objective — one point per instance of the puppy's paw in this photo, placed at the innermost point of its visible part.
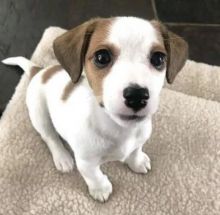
(63, 161)
(102, 191)
(141, 164)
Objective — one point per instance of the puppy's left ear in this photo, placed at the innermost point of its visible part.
(71, 47)
(177, 51)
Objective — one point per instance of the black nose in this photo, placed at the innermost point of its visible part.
(136, 97)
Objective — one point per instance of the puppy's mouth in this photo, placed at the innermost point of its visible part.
(131, 117)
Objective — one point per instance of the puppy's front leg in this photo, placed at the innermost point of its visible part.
(98, 184)
(138, 161)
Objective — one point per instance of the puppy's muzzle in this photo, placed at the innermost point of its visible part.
(135, 97)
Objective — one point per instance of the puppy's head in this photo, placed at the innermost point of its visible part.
(126, 60)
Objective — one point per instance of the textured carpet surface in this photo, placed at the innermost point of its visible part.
(184, 149)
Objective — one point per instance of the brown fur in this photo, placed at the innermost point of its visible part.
(69, 89)
(77, 47)
(34, 71)
(95, 75)
(158, 48)
(176, 48)
(70, 48)
(50, 72)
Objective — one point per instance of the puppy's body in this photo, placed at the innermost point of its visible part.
(79, 119)
(106, 115)
(93, 136)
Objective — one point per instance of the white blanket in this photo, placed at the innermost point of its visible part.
(184, 149)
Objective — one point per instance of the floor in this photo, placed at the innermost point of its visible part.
(23, 22)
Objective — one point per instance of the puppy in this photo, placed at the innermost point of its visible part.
(102, 96)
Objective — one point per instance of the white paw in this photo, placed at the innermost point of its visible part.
(141, 163)
(63, 161)
(101, 192)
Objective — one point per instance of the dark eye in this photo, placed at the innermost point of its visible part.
(158, 60)
(102, 58)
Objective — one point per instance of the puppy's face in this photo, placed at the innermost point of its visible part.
(126, 60)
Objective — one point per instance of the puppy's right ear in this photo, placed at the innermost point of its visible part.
(177, 50)
(71, 47)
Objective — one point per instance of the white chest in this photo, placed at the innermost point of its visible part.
(103, 147)
(89, 130)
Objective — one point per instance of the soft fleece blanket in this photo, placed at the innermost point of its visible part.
(184, 149)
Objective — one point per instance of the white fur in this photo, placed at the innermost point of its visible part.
(97, 135)
(132, 66)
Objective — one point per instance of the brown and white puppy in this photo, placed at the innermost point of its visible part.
(102, 99)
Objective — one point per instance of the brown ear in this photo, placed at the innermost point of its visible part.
(177, 50)
(71, 47)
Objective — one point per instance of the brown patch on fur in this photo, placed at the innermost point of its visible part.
(34, 71)
(98, 41)
(76, 48)
(50, 72)
(69, 89)
(176, 48)
(70, 48)
(158, 48)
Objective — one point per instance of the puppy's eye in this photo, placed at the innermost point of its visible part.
(102, 58)
(158, 60)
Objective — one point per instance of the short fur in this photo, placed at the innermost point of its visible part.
(99, 134)
(50, 72)
(177, 50)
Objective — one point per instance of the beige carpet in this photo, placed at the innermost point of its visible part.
(184, 149)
